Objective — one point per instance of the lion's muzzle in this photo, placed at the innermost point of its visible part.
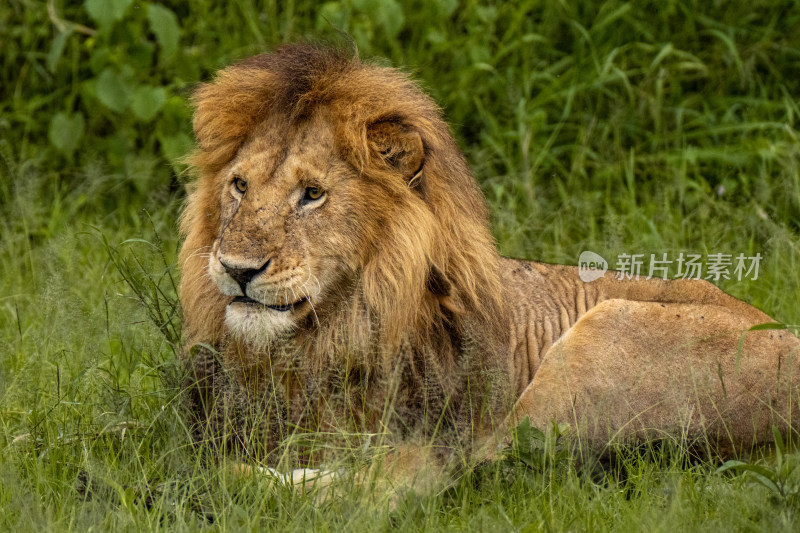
(242, 276)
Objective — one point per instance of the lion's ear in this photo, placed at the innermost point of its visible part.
(399, 146)
(442, 290)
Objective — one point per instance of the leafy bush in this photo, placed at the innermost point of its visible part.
(126, 74)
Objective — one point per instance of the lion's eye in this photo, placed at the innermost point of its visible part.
(312, 194)
(240, 185)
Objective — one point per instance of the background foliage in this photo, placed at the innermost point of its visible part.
(638, 127)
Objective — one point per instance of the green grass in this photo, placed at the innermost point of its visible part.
(643, 127)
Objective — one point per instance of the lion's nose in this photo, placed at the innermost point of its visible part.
(242, 276)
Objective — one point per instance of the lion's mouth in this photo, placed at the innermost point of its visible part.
(282, 308)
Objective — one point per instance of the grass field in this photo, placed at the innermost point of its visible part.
(642, 127)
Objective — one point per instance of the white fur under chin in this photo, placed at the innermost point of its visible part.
(257, 326)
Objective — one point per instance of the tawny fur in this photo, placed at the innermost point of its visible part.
(412, 322)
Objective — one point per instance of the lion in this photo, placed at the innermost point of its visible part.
(339, 274)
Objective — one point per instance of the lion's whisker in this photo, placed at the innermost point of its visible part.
(308, 299)
(319, 286)
(197, 253)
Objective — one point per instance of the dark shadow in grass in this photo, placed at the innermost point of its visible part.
(163, 496)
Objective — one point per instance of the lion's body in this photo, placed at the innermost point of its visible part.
(633, 358)
(339, 258)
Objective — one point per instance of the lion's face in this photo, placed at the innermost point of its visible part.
(293, 229)
(332, 207)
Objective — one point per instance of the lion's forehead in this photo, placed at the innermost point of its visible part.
(276, 154)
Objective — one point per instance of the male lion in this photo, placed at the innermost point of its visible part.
(339, 275)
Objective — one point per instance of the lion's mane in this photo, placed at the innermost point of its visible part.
(428, 297)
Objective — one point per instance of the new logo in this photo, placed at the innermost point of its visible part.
(591, 266)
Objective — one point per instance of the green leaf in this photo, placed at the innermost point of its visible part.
(331, 14)
(106, 12)
(112, 91)
(175, 147)
(731, 464)
(787, 468)
(764, 476)
(767, 482)
(65, 131)
(164, 25)
(446, 7)
(147, 101)
(523, 431)
(385, 13)
(767, 325)
(57, 48)
(779, 446)
(391, 17)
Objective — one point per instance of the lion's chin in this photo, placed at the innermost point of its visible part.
(257, 326)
